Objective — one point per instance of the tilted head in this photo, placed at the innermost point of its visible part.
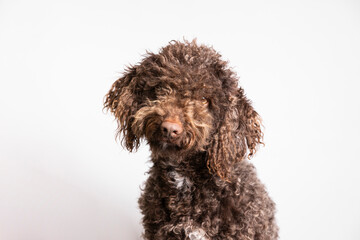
(182, 101)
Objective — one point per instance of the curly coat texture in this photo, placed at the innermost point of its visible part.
(201, 186)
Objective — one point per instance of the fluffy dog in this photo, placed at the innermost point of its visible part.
(186, 104)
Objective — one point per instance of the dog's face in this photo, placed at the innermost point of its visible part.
(182, 101)
(176, 116)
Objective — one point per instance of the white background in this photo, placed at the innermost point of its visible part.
(62, 174)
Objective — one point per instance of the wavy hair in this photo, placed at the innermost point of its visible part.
(188, 71)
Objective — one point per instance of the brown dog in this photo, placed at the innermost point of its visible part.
(186, 103)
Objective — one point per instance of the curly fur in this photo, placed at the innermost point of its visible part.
(201, 186)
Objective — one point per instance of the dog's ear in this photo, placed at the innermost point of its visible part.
(249, 130)
(237, 137)
(122, 101)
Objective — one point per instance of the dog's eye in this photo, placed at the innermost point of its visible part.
(204, 101)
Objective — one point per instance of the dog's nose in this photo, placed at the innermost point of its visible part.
(171, 129)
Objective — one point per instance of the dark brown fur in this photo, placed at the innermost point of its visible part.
(200, 186)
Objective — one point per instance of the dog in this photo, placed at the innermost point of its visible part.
(185, 102)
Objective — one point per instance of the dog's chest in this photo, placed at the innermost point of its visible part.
(183, 203)
(179, 181)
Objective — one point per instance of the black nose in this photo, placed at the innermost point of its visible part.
(171, 129)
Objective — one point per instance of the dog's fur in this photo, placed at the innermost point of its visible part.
(201, 186)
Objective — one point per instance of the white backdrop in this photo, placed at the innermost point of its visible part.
(63, 176)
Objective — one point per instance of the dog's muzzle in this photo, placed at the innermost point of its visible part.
(171, 130)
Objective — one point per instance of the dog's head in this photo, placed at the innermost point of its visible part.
(182, 101)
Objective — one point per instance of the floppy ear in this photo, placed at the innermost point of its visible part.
(250, 124)
(121, 101)
(238, 136)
